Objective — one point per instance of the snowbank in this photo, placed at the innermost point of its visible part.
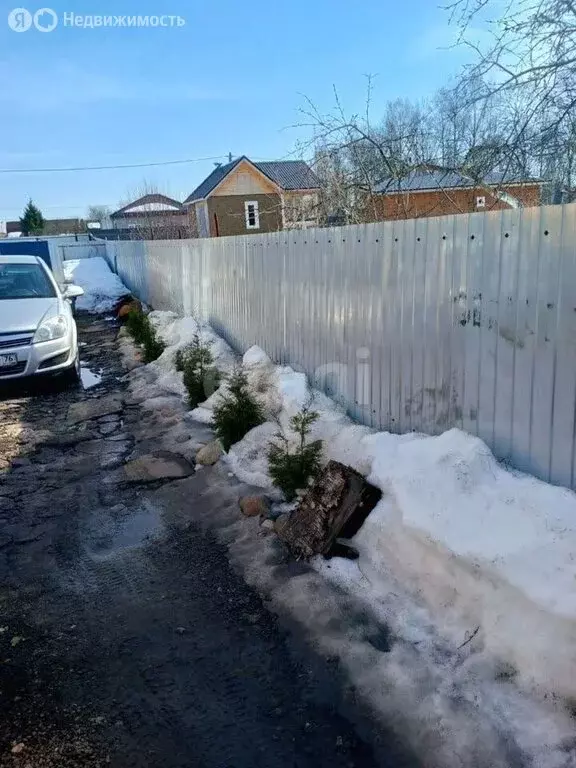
(102, 288)
(486, 550)
(177, 333)
(468, 566)
(483, 547)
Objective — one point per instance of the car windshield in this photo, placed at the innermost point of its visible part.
(24, 281)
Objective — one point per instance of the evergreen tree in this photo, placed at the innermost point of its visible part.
(292, 470)
(238, 412)
(32, 222)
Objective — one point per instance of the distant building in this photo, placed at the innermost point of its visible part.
(151, 217)
(439, 193)
(244, 197)
(51, 227)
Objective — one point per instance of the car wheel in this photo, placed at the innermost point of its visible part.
(73, 376)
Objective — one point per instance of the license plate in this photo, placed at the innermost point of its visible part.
(6, 361)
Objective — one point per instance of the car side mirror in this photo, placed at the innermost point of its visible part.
(73, 291)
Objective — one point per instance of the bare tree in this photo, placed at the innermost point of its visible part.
(98, 213)
(528, 59)
(153, 215)
(359, 161)
(353, 156)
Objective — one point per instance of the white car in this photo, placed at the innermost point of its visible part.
(37, 329)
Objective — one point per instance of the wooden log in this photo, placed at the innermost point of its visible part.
(336, 505)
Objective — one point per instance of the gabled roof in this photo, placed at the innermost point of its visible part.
(287, 174)
(210, 182)
(290, 174)
(156, 202)
(430, 180)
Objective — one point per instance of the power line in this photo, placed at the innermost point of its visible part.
(110, 167)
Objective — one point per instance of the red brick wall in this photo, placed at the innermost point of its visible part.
(413, 205)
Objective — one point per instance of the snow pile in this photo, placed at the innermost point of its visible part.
(482, 546)
(248, 459)
(470, 566)
(178, 333)
(102, 288)
(451, 488)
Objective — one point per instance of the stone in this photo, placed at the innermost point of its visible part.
(209, 454)
(267, 525)
(91, 447)
(70, 440)
(133, 361)
(108, 429)
(280, 522)
(111, 462)
(154, 467)
(109, 419)
(94, 409)
(252, 506)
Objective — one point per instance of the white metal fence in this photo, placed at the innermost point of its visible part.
(82, 250)
(466, 321)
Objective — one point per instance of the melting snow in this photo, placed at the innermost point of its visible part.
(459, 550)
(102, 288)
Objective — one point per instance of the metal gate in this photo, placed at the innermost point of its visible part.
(26, 248)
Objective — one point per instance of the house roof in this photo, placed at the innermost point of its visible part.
(287, 174)
(430, 180)
(156, 202)
(290, 174)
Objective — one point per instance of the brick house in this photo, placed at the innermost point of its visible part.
(440, 193)
(244, 197)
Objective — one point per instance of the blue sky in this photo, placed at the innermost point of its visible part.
(231, 80)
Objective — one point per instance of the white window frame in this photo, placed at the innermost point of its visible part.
(254, 204)
(481, 201)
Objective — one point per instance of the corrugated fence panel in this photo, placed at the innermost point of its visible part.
(466, 321)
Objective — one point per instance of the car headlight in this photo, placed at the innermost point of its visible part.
(51, 329)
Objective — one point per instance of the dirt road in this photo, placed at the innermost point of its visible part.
(126, 639)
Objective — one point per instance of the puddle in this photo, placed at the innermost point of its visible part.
(139, 525)
(89, 378)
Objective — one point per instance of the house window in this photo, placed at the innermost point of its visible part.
(252, 215)
(481, 201)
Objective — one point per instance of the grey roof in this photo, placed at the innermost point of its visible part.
(211, 181)
(423, 180)
(290, 174)
(287, 174)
